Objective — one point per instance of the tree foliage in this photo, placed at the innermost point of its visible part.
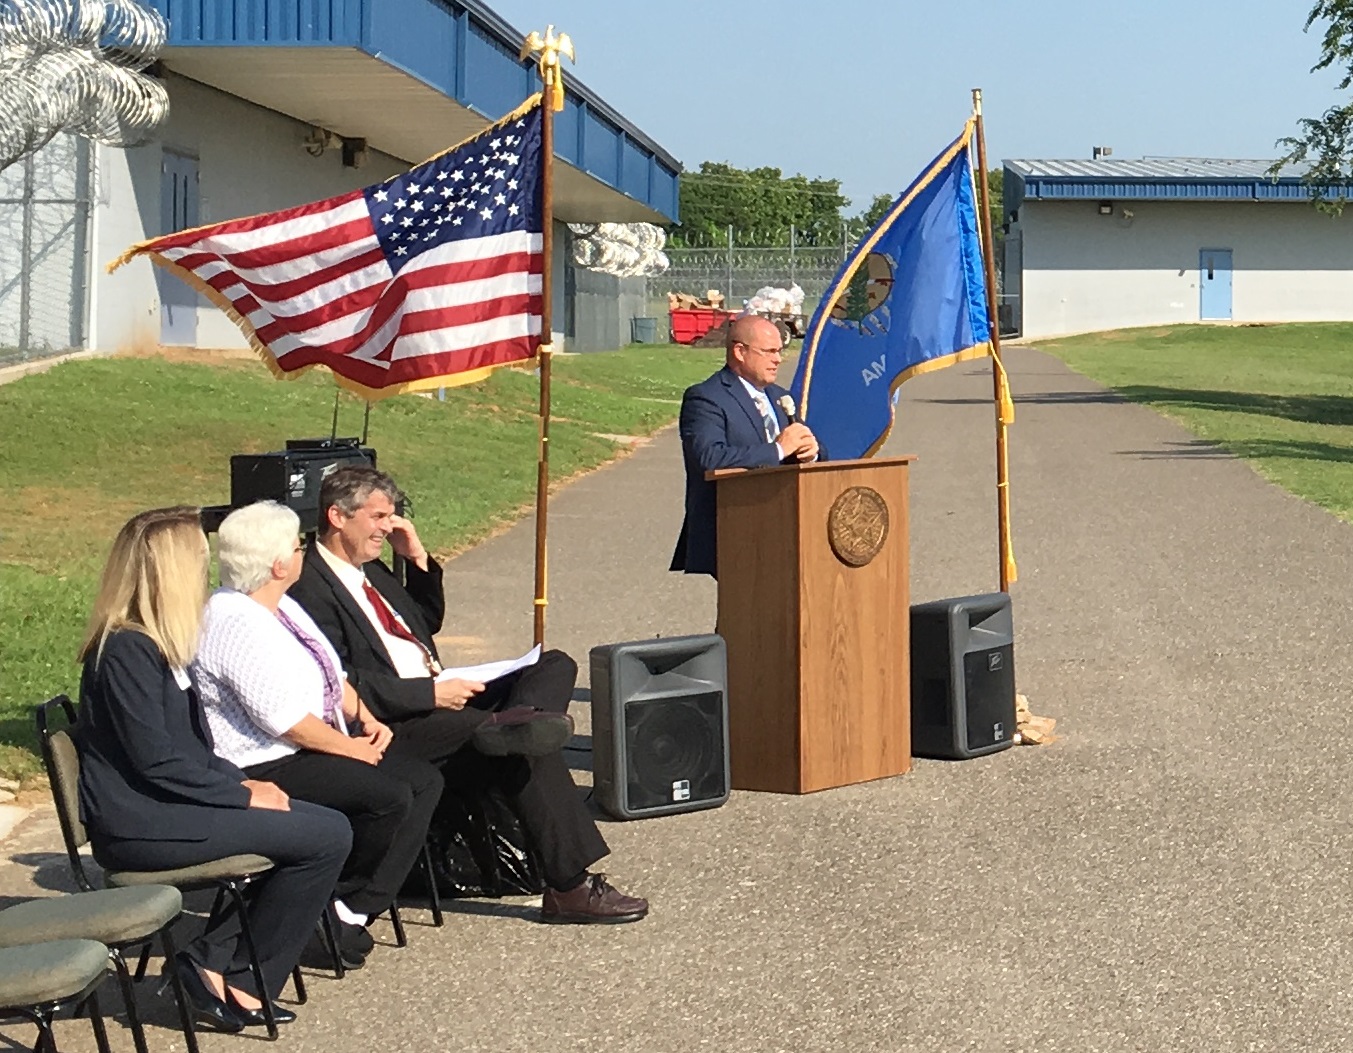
(1324, 144)
(761, 205)
(878, 208)
(882, 204)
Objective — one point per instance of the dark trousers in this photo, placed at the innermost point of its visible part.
(389, 805)
(540, 788)
(307, 846)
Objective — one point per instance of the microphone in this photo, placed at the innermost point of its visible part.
(786, 404)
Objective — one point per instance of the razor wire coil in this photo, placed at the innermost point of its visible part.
(78, 66)
(624, 250)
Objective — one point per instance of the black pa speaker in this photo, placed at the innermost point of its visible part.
(962, 677)
(660, 726)
(293, 476)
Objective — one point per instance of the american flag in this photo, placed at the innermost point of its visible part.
(432, 277)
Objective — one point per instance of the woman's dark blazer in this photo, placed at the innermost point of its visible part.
(147, 770)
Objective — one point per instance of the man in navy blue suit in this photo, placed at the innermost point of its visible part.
(733, 420)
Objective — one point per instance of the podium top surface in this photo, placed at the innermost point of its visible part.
(815, 466)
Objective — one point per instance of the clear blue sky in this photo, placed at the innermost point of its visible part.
(868, 93)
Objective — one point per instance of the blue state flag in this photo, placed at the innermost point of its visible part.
(911, 298)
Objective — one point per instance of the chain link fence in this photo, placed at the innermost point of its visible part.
(45, 204)
(738, 272)
(1010, 279)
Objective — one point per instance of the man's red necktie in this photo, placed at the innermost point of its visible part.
(393, 625)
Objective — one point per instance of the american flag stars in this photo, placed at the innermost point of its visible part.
(479, 189)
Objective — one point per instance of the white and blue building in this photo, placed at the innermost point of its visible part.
(1108, 244)
(278, 102)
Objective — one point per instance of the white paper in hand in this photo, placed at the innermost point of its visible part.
(491, 670)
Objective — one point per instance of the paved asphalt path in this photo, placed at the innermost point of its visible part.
(1169, 875)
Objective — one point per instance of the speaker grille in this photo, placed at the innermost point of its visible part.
(675, 749)
(989, 681)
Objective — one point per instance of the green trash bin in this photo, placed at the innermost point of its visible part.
(643, 330)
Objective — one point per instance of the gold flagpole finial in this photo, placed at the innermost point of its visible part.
(550, 48)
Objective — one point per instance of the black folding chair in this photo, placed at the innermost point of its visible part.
(229, 876)
(121, 919)
(40, 980)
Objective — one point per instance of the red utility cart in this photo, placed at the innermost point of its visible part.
(691, 323)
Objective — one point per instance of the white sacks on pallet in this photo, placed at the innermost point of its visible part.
(774, 300)
(625, 250)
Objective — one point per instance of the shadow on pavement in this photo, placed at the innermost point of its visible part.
(1248, 448)
(51, 870)
(1306, 409)
(492, 909)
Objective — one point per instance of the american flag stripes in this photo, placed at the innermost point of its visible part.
(430, 278)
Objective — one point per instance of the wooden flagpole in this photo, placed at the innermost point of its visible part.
(1000, 383)
(549, 48)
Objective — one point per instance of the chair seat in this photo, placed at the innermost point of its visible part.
(48, 972)
(112, 916)
(185, 877)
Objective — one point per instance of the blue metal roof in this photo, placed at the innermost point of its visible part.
(459, 47)
(1148, 168)
(1152, 179)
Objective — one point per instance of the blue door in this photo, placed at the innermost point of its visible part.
(178, 211)
(1214, 284)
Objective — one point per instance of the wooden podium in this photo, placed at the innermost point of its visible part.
(814, 606)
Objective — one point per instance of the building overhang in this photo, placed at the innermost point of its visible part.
(1157, 179)
(413, 77)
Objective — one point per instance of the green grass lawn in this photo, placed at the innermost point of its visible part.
(1280, 396)
(91, 442)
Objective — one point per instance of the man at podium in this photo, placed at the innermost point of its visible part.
(735, 419)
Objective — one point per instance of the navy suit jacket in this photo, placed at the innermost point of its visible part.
(720, 428)
(147, 770)
(370, 670)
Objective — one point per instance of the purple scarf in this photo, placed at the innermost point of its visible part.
(333, 688)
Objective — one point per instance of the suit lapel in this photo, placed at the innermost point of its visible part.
(773, 393)
(739, 394)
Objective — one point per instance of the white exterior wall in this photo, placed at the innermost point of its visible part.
(1085, 272)
(250, 160)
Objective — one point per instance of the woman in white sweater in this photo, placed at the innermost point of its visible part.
(281, 709)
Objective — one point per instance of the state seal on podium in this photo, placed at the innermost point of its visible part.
(857, 525)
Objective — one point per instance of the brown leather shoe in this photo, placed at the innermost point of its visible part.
(523, 731)
(595, 902)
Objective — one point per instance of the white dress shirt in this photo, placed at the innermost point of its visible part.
(255, 679)
(763, 406)
(409, 658)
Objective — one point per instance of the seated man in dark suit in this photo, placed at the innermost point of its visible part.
(506, 733)
(733, 420)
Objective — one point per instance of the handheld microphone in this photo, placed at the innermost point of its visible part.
(786, 403)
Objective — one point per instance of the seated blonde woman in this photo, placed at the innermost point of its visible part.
(280, 708)
(154, 796)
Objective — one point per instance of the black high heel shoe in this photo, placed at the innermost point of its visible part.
(208, 1010)
(255, 1017)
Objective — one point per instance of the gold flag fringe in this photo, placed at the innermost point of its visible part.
(261, 349)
